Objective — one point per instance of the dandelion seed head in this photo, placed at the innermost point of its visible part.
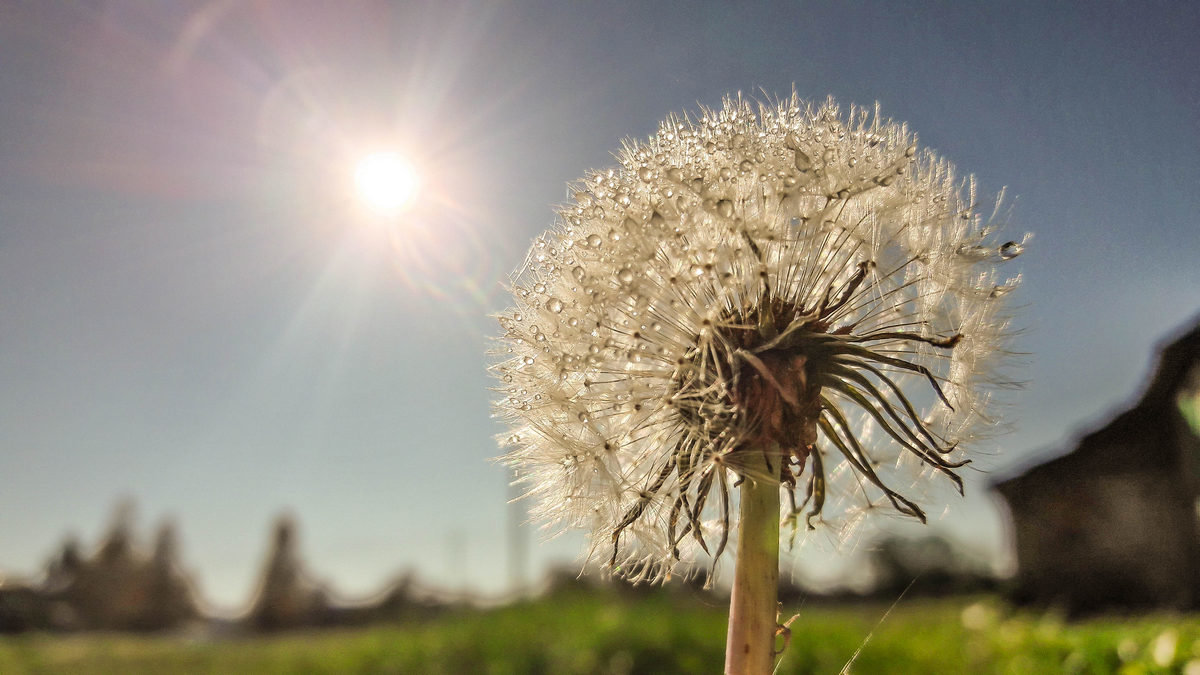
(786, 279)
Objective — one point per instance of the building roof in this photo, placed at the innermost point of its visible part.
(1148, 426)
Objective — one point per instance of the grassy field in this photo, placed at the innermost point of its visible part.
(579, 632)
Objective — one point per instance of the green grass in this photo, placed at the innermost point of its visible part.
(578, 632)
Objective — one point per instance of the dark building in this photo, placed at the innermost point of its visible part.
(1113, 524)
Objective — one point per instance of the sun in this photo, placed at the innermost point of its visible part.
(386, 182)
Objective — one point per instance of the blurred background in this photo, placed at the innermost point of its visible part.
(203, 312)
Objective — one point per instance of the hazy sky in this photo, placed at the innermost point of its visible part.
(195, 313)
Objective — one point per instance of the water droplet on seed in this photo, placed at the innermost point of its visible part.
(803, 161)
(1010, 250)
(554, 305)
(625, 275)
(579, 274)
(725, 208)
(646, 174)
(593, 240)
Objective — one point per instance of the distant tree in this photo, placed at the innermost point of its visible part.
(169, 598)
(927, 565)
(286, 598)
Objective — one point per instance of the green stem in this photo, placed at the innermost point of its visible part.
(750, 646)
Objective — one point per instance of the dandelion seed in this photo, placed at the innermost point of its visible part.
(806, 301)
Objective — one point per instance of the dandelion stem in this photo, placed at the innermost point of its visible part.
(750, 647)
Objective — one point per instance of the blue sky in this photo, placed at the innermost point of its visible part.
(194, 312)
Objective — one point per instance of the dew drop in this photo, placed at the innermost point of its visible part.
(554, 305)
(675, 174)
(746, 166)
(829, 155)
(614, 236)
(539, 287)
(910, 151)
(579, 273)
(852, 161)
(726, 173)
(697, 270)
(803, 161)
(625, 275)
(584, 417)
(725, 208)
(646, 174)
(593, 240)
(528, 360)
(1010, 250)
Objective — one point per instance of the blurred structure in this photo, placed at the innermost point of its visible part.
(1113, 524)
(287, 596)
(118, 588)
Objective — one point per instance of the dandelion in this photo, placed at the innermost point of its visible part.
(778, 301)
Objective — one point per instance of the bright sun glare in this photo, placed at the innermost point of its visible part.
(386, 182)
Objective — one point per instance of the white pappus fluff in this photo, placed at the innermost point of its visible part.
(787, 280)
